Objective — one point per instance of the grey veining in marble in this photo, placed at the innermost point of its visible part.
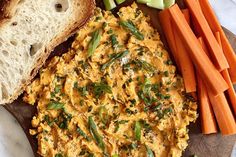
(13, 142)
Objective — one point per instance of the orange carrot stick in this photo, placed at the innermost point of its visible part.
(222, 111)
(225, 74)
(224, 116)
(204, 66)
(208, 122)
(185, 63)
(215, 26)
(196, 27)
(215, 51)
(165, 21)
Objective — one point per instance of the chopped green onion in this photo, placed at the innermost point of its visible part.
(100, 89)
(90, 155)
(129, 25)
(166, 73)
(80, 131)
(137, 130)
(149, 152)
(114, 58)
(55, 106)
(82, 90)
(94, 132)
(114, 41)
(115, 155)
(109, 4)
(145, 66)
(58, 155)
(93, 44)
(120, 1)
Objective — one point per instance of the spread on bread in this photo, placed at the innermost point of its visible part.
(114, 93)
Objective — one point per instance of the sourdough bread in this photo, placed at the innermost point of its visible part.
(27, 37)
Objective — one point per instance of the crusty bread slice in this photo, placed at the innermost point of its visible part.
(27, 37)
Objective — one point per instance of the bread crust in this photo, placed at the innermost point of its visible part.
(88, 10)
(7, 9)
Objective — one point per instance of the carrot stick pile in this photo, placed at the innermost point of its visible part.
(206, 61)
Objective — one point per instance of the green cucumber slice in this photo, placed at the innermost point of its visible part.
(119, 1)
(144, 1)
(109, 4)
(159, 4)
(169, 3)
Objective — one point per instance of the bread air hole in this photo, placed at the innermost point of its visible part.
(14, 23)
(21, 71)
(21, 1)
(35, 48)
(61, 5)
(5, 53)
(14, 43)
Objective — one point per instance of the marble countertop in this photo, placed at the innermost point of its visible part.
(13, 142)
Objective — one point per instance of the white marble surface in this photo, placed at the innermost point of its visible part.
(13, 142)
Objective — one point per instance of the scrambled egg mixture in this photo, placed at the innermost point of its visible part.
(115, 93)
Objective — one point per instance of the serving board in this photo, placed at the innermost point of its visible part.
(214, 145)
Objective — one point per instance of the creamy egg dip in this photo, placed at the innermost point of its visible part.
(114, 93)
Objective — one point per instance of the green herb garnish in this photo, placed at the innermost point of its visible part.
(109, 31)
(55, 106)
(84, 65)
(166, 73)
(80, 131)
(58, 155)
(91, 155)
(129, 25)
(145, 66)
(82, 90)
(94, 42)
(114, 41)
(145, 93)
(101, 88)
(149, 152)
(65, 118)
(137, 130)
(98, 18)
(129, 111)
(47, 119)
(146, 126)
(169, 62)
(114, 58)
(94, 132)
(57, 89)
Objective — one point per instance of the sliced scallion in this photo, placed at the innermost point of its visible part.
(94, 132)
(94, 42)
(129, 25)
(137, 130)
